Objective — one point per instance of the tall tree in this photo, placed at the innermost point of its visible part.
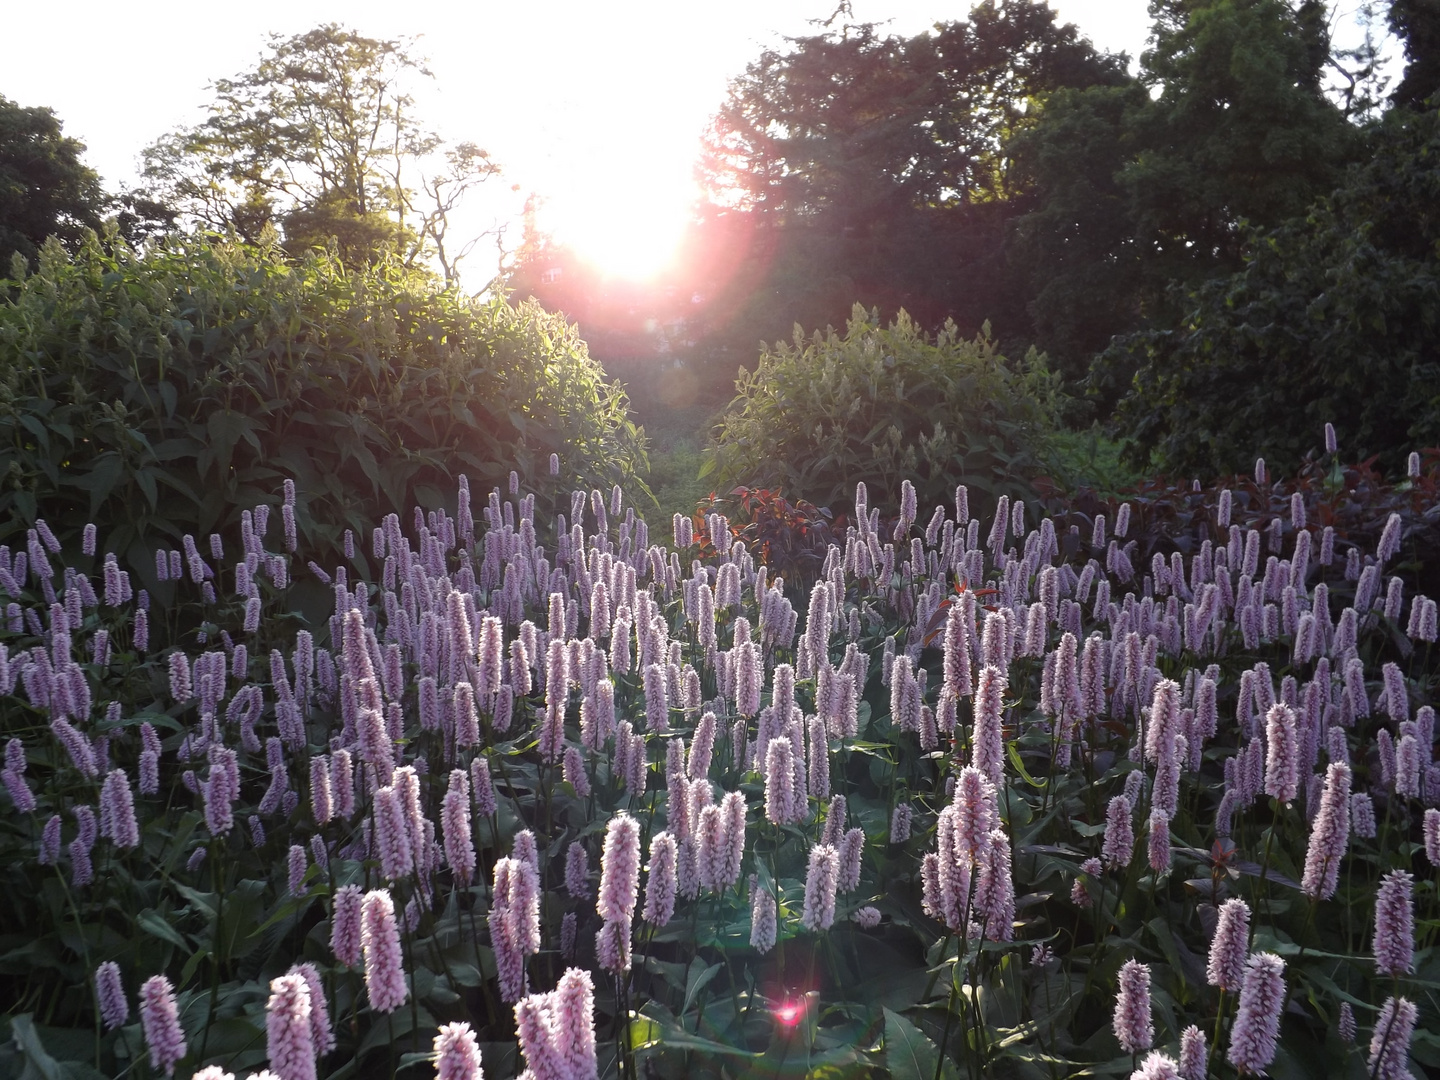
(1228, 127)
(45, 189)
(1417, 24)
(1334, 317)
(874, 167)
(321, 140)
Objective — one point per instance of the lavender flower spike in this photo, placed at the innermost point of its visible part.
(380, 941)
(1192, 1054)
(1329, 836)
(762, 918)
(457, 1054)
(1133, 1026)
(989, 752)
(619, 869)
(1257, 1022)
(1432, 836)
(1282, 754)
(160, 1020)
(821, 881)
(574, 999)
(345, 925)
(1390, 1045)
(1226, 968)
(1119, 845)
(1157, 1066)
(1395, 924)
(288, 1041)
(114, 1009)
(661, 884)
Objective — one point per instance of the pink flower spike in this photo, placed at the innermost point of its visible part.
(160, 1020)
(1395, 924)
(1191, 1065)
(1157, 1066)
(989, 743)
(1133, 1025)
(539, 1038)
(1282, 754)
(1329, 836)
(345, 925)
(1390, 1045)
(1119, 845)
(820, 883)
(660, 886)
(114, 1009)
(575, 1022)
(321, 1034)
(619, 869)
(457, 1053)
(380, 941)
(1257, 1021)
(1226, 968)
(288, 1040)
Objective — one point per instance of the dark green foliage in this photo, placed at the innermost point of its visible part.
(158, 395)
(873, 167)
(885, 404)
(1140, 185)
(1333, 318)
(45, 190)
(320, 141)
(1417, 23)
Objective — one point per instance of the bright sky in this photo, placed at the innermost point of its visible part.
(598, 107)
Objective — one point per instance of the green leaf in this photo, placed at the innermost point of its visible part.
(909, 1053)
(153, 923)
(700, 977)
(39, 1065)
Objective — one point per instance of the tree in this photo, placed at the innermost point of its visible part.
(1334, 317)
(320, 141)
(873, 167)
(1417, 24)
(45, 190)
(373, 387)
(1228, 128)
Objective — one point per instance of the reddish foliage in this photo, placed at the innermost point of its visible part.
(789, 538)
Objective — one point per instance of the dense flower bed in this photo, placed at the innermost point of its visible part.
(549, 795)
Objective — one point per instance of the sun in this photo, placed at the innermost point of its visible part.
(625, 229)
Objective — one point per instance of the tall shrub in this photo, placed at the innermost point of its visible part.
(883, 404)
(160, 394)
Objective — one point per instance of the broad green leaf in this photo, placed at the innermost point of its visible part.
(909, 1053)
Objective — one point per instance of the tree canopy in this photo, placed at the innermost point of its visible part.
(874, 167)
(45, 189)
(322, 139)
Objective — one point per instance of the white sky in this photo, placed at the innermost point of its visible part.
(598, 106)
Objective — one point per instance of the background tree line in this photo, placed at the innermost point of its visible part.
(1235, 237)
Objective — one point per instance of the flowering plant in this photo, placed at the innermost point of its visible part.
(539, 796)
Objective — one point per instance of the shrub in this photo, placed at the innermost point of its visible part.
(163, 393)
(1335, 317)
(883, 404)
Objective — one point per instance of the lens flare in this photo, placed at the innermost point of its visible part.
(789, 1013)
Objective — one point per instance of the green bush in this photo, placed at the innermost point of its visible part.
(885, 404)
(160, 394)
(1335, 317)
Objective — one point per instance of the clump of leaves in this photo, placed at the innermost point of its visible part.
(883, 404)
(160, 394)
(789, 538)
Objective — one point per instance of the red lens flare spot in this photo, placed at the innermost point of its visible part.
(789, 1013)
